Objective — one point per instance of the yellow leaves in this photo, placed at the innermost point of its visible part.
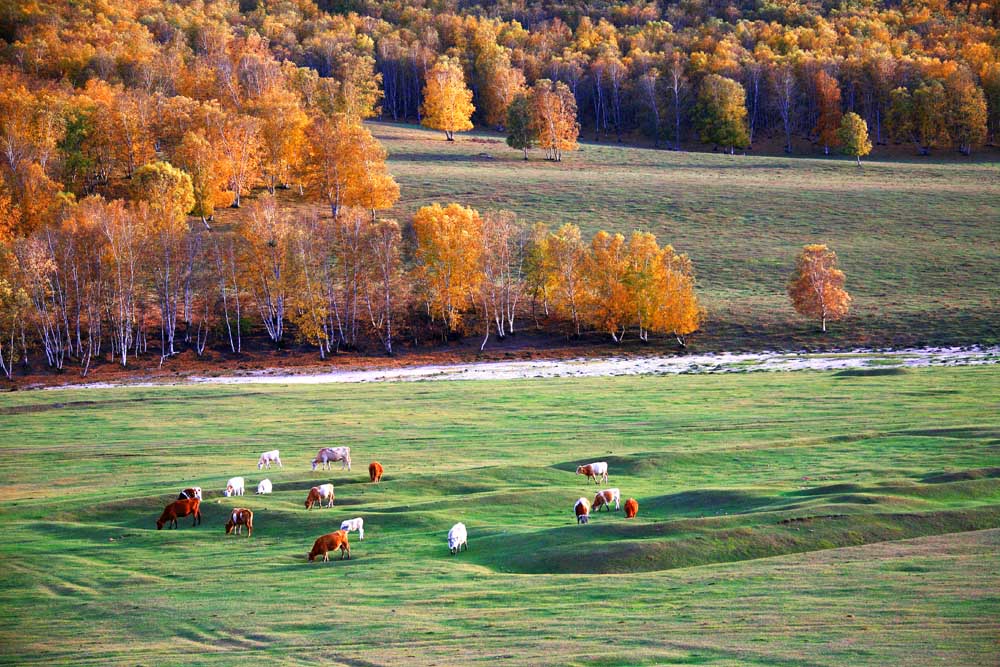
(553, 117)
(817, 286)
(448, 247)
(168, 192)
(447, 102)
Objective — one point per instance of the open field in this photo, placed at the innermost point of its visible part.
(918, 239)
(811, 518)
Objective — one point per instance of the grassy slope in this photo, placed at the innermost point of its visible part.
(745, 483)
(917, 239)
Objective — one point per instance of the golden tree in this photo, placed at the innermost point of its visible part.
(553, 118)
(817, 286)
(828, 123)
(447, 101)
(196, 156)
(610, 305)
(564, 262)
(853, 134)
(448, 247)
(282, 135)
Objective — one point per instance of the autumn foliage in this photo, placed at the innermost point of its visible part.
(817, 286)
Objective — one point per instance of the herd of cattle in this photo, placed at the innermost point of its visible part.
(188, 503)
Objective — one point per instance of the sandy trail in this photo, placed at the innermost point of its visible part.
(613, 366)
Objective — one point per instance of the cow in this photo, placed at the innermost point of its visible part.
(357, 524)
(606, 497)
(375, 471)
(328, 455)
(582, 510)
(179, 509)
(267, 458)
(330, 542)
(458, 537)
(319, 493)
(236, 486)
(190, 492)
(264, 486)
(240, 517)
(598, 469)
(631, 508)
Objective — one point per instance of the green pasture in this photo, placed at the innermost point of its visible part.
(785, 519)
(918, 238)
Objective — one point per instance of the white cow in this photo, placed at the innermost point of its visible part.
(267, 458)
(328, 455)
(457, 538)
(235, 487)
(264, 486)
(357, 524)
(318, 494)
(598, 470)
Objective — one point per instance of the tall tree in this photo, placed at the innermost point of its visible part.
(520, 131)
(967, 114)
(447, 102)
(817, 286)
(553, 117)
(721, 112)
(828, 99)
(448, 248)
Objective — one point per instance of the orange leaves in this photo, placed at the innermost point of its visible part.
(828, 96)
(447, 102)
(448, 247)
(553, 117)
(817, 286)
(346, 165)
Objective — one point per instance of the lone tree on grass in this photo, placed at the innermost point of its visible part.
(521, 133)
(853, 135)
(447, 102)
(817, 286)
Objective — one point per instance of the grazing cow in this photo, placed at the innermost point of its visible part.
(597, 471)
(631, 508)
(582, 510)
(267, 458)
(240, 517)
(236, 486)
(318, 494)
(178, 509)
(375, 471)
(331, 542)
(328, 455)
(457, 538)
(264, 486)
(606, 497)
(357, 524)
(190, 492)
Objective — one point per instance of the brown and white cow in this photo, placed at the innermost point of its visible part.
(318, 494)
(178, 509)
(240, 517)
(631, 508)
(190, 492)
(606, 497)
(582, 510)
(597, 471)
(375, 471)
(331, 542)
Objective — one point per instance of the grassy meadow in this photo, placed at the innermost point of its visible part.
(785, 519)
(917, 238)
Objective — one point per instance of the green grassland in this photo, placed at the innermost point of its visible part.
(785, 519)
(917, 238)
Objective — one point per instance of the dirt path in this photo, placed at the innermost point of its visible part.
(870, 360)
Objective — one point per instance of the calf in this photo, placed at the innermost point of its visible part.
(328, 455)
(240, 517)
(458, 537)
(606, 497)
(318, 494)
(180, 508)
(236, 486)
(631, 508)
(190, 492)
(598, 469)
(357, 524)
(375, 471)
(264, 486)
(330, 542)
(582, 510)
(267, 458)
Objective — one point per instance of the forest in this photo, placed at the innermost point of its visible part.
(124, 127)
